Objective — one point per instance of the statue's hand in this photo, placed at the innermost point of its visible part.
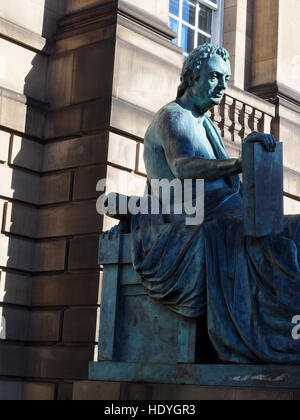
(113, 233)
(267, 140)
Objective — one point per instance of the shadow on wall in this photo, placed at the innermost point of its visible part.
(23, 253)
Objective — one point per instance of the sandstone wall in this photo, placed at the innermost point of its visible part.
(79, 83)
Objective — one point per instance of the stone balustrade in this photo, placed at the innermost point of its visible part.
(239, 114)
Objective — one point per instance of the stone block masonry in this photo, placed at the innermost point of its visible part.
(79, 83)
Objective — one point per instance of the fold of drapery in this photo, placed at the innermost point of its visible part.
(249, 288)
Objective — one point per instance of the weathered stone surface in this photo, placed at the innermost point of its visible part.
(291, 182)
(69, 219)
(125, 182)
(62, 123)
(23, 325)
(41, 19)
(96, 114)
(80, 325)
(122, 151)
(50, 256)
(263, 395)
(74, 153)
(55, 188)
(4, 145)
(59, 362)
(11, 390)
(27, 154)
(20, 185)
(288, 49)
(85, 182)
(44, 326)
(34, 391)
(238, 40)
(130, 118)
(77, 5)
(97, 391)
(65, 392)
(287, 128)
(81, 118)
(12, 360)
(87, 82)
(92, 391)
(157, 9)
(291, 206)
(28, 391)
(60, 80)
(24, 36)
(29, 256)
(140, 159)
(17, 253)
(15, 288)
(21, 220)
(68, 44)
(275, 55)
(16, 114)
(83, 253)
(17, 323)
(26, 78)
(72, 289)
(174, 392)
(135, 63)
(265, 42)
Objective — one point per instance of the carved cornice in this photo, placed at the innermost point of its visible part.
(146, 20)
(24, 37)
(107, 14)
(24, 99)
(278, 94)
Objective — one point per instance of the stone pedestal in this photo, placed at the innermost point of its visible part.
(148, 353)
(103, 391)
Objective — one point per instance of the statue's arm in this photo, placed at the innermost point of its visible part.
(176, 134)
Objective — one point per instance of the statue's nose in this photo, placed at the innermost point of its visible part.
(222, 83)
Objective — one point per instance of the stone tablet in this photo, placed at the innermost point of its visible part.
(262, 190)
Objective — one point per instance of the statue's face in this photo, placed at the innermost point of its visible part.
(210, 83)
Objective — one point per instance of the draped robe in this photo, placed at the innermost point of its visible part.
(248, 287)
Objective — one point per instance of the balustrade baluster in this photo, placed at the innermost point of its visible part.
(238, 127)
(248, 112)
(228, 127)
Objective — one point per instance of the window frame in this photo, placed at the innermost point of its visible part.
(217, 22)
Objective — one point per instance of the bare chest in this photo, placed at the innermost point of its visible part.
(201, 143)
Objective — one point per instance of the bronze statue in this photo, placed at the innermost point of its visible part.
(248, 287)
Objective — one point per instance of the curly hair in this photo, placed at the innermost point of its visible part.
(194, 62)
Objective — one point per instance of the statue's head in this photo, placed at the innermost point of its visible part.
(206, 73)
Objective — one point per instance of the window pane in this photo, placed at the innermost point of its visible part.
(174, 7)
(187, 39)
(205, 18)
(174, 25)
(189, 11)
(202, 39)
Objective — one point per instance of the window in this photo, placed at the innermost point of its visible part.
(196, 22)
